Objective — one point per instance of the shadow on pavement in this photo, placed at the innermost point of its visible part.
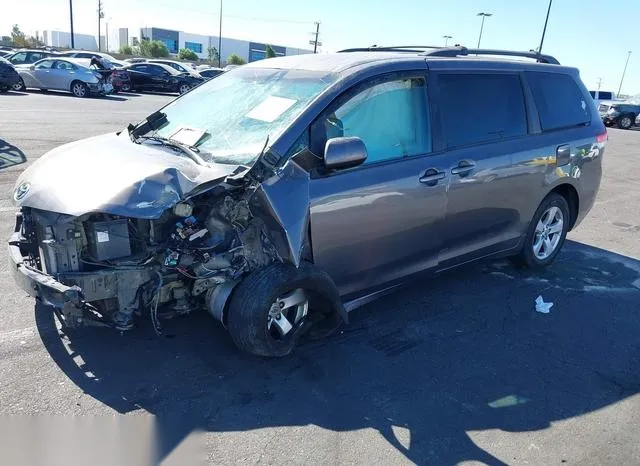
(460, 352)
(13, 93)
(10, 155)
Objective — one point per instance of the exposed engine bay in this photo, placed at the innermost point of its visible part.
(188, 258)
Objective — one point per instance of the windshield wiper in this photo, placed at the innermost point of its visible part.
(189, 151)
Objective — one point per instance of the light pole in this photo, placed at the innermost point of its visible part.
(220, 38)
(446, 39)
(484, 15)
(624, 71)
(71, 22)
(544, 31)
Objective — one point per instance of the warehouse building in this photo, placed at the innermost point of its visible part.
(174, 40)
(200, 44)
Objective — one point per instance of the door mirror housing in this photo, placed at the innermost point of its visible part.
(344, 152)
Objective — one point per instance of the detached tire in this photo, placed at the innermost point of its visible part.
(252, 314)
(541, 245)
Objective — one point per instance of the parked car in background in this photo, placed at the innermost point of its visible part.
(8, 75)
(288, 192)
(160, 78)
(210, 73)
(26, 56)
(5, 53)
(176, 65)
(63, 74)
(117, 77)
(86, 54)
(620, 114)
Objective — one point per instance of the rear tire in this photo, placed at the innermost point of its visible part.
(250, 318)
(183, 89)
(625, 122)
(79, 89)
(541, 245)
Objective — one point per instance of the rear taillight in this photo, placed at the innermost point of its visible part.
(602, 137)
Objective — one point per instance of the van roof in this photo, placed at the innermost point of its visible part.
(438, 58)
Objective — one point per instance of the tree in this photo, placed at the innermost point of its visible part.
(213, 54)
(153, 49)
(126, 50)
(269, 52)
(187, 54)
(17, 37)
(235, 60)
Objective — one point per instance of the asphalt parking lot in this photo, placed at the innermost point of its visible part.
(458, 368)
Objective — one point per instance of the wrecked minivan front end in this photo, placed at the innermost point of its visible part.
(175, 213)
(104, 268)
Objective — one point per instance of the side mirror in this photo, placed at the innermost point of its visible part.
(32, 67)
(344, 153)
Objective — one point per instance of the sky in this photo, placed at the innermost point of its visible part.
(592, 35)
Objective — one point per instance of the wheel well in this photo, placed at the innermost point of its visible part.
(571, 196)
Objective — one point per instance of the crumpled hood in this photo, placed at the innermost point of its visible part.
(111, 174)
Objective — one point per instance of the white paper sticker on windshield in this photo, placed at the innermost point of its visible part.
(102, 236)
(188, 136)
(270, 109)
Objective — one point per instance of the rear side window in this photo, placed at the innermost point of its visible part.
(481, 108)
(560, 102)
(603, 95)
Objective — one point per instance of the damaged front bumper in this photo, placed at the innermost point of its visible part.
(72, 297)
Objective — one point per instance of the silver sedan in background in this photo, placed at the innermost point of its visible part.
(62, 74)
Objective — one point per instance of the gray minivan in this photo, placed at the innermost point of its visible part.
(287, 192)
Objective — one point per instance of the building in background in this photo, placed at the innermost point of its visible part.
(174, 40)
(63, 40)
(250, 51)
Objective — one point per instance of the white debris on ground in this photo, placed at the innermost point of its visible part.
(543, 307)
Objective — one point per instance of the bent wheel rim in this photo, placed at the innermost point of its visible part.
(548, 233)
(286, 312)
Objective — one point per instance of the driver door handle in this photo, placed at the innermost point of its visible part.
(464, 168)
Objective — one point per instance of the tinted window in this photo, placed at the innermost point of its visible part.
(559, 100)
(35, 56)
(64, 65)
(140, 68)
(20, 57)
(210, 73)
(85, 55)
(44, 65)
(157, 70)
(602, 95)
(593, 94)
(390, 117)
(479, 108)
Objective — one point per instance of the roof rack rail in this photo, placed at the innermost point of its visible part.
(463, 51)
(393, 48)
(457, 51)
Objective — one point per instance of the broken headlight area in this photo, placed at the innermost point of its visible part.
(187, 259)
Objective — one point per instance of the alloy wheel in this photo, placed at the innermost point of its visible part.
(286, 312)
(548, 233)
(79, 90)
